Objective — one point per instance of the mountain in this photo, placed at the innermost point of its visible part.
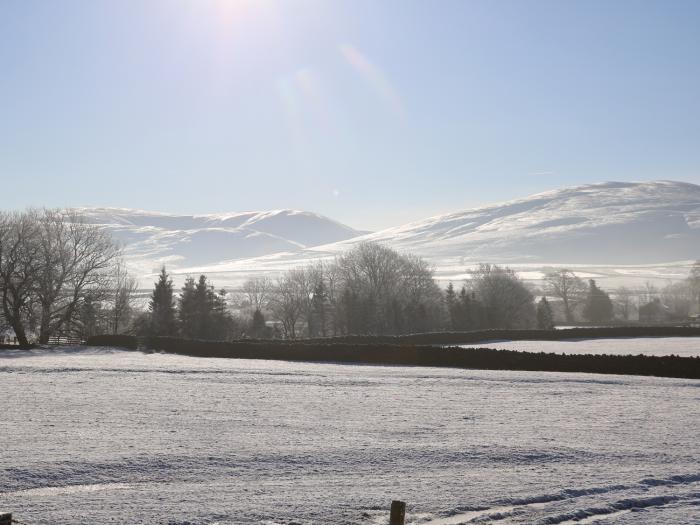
(151, 238)
(615, 232)
(615, 226)
(607, 223)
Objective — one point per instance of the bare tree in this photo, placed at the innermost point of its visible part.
(124, 289)
(19, 265)
(649, 293)
(564, 284)
(624, 303)
(258, 291)
(679, 298)
(74, 257)
(287, 304)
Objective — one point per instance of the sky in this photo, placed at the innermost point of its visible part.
(374, 113)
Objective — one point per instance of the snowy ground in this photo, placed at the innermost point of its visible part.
(94, 436)
(682, 346)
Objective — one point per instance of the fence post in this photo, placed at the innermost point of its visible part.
(398, 513)
(5, 518)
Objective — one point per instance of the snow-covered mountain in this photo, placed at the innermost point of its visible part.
(151, 238)
(607, 223)
(619, 233)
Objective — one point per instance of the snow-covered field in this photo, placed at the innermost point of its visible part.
(92, 436)
(682, 346)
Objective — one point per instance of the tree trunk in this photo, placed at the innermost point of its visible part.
(45, 327)
(19, 332)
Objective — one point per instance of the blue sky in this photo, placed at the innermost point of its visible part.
(371, 112)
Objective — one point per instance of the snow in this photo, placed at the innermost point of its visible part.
(152, 238)
(618, 233)
(682, 346)
(108, 436)
(624, 233)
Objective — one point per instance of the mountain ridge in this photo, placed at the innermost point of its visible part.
(615, 223)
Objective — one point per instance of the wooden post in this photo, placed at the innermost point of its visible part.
(5, 518)
(398, 513)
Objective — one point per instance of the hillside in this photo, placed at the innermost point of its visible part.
(607, 223)
(151, 238)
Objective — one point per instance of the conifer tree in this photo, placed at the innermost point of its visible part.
(258, 328)
(599, 307)
(162, 307)
(545, 319)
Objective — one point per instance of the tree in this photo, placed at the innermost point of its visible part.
(545, 320)
(624, 303)
(598, 307)
(506, 301)
(162, 306)
(679, 298)
(319, 309)
(287, 305)
(257, 291)
(202, 312)
(565, 285)
(51, 261)
(74, 258)
(387, 292)
(122, 299)
(19, 266)
(258, 327)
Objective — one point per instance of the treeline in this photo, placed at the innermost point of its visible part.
(388, 354)
(371, 290)
(55, 271)
(585, 301)
(374, 290)
(198, 312)
(60, 276)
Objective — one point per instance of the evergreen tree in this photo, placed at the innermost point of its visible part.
(161, 306)
(545, 319)
(258, 328)
(202, 311)
(599, 307)
(187, 310)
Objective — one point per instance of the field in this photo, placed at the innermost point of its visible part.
(108, 436)
(681, 346)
